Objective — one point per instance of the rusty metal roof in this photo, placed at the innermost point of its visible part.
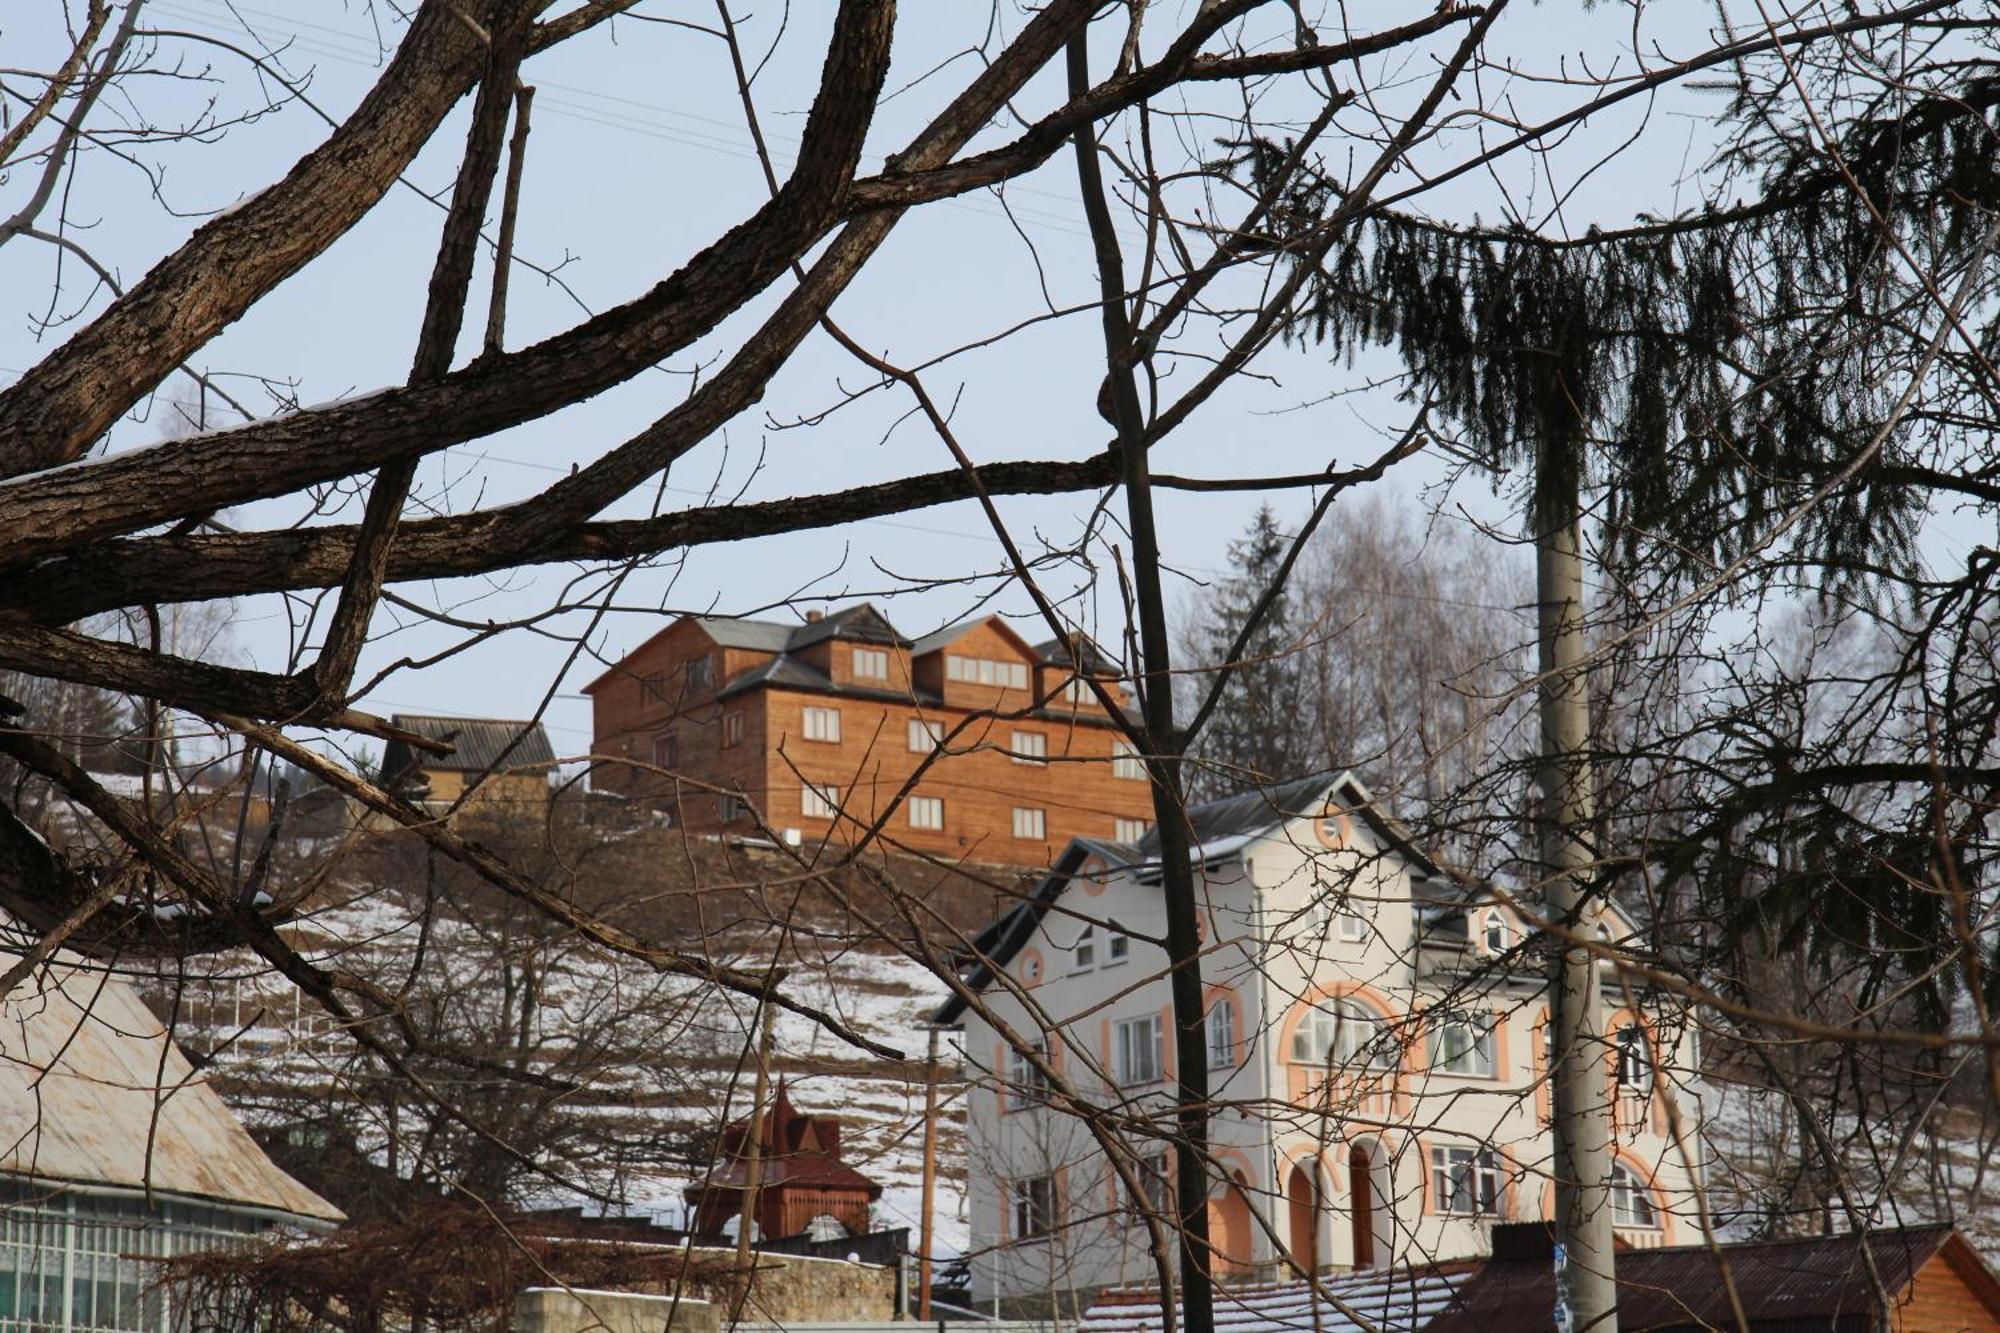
(92, 1092)
(1818, 1283)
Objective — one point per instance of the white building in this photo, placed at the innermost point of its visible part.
(114, 1152)
(1376, 1035)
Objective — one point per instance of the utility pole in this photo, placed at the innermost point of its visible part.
(1586, 1289)
(928, 1207)
(746, 1219)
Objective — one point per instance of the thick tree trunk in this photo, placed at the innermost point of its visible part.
(1581, 1091)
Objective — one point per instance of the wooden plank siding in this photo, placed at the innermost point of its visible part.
(658, 704)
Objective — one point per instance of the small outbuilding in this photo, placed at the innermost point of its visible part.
(803, 1186)
(114, 1152)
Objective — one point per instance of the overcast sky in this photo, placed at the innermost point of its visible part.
(638, 158)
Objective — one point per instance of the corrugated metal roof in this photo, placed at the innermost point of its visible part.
(478, 743)
(1819, 1283)
(92, 1092)
(1386, 1300)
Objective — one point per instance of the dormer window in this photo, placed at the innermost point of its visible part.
(1083, 954)
(1493, 929)
(871, 664)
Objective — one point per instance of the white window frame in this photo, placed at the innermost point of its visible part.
(869, 663)
(1353, 1034)
(1472, 1054)
(1083, 954)
(1632, 1204)
(926, 812)
(1352, 926)
(925, 735)
(1029, 747)
(986, 671)
(1221, 1023)
(1125, 761)
(819, 800)
(1466, 1182)
(1117, 947)
(1025, 1083)
(1155, 1173)
(1139, 1051)
(820, 724)
(1130, 830)
(1031, 823)
(1637, 1068)
(1493, 932)
(1034, 1212)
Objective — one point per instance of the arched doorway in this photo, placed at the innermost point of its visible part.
(1302, 1194)
(1229, 1229)
(1369, 1204)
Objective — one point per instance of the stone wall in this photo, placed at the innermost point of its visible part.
(568, 1310)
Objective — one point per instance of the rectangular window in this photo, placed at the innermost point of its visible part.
(819, 800)
(1222, 1034)
(731, 808)
(871, 664)
(1131, 830)
(667, 752)
(1030, 747)
(925, 736)
(1025, 1083)
(927, 812)
(986, 671)
(732, 729)
(1125, 761)
(1083, 954)
(1117, 947)
(1138, 1054)
(698, 673)
(1076, 690)
(1034, 1207)
(1155, 1197)
(1463, 1044)
(822, 724)
(1465, 1181)
(1353, 926)
(1030, 823)
(653, 689)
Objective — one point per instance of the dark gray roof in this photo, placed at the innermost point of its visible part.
(937, 639)
(761, 636)
(995, 946)
(478, 743)
(863, 623)
(791, 673)
(1059, 652)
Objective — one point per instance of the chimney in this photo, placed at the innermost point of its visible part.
(813, 617)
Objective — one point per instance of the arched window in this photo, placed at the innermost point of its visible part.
(1222, 1034)
(1347, 1033)
(1631, 1202)
(1494, 929)
(1635, 1061)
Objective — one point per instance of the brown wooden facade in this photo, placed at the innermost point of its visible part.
(716, 719)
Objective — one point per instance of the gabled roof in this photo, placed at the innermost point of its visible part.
(1221, 828)
(995, 946)
(478, 743)
(862, 622)
(1814, 1282)
(1062, 653)
(92, 1092)
(790, 673)
(759, 636)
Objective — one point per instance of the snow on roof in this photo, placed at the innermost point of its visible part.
(92, 1092)
(1386, 1300)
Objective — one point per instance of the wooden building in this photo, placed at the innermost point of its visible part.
(507, 763)
(808, 732)
(803, 1186)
